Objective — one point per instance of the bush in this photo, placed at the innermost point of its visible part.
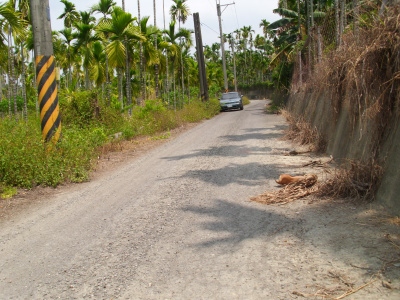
(26, 161)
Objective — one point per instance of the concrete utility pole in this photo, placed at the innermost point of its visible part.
(200, 58)
(222, 44)
(45, 70)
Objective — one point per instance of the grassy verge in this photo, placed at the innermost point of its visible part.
(245, 100)
(26, 161)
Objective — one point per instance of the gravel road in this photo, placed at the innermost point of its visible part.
(176, 223)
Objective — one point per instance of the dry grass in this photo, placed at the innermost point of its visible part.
(302, 132)
(355, 180)
(364, 76)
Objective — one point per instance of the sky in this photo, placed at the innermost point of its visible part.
(242, 13)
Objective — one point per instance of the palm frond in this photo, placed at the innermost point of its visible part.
(286, 12)
(279, 23)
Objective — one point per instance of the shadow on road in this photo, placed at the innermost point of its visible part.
(223, 151)
(326, 230)
(252, 136)
(250, 174)
(239, 222)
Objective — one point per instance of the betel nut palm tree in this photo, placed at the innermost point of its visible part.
(180, 11)
(105, 7)
(119, 26)
(15, 26)
(174, 48)
(70, 15)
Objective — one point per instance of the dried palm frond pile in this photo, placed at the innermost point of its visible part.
(291, 192)
(354, 179)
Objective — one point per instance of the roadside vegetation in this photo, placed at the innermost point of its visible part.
(26, 161)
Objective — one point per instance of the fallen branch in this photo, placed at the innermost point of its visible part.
(318, 163)
(311, 295)
(356, 290)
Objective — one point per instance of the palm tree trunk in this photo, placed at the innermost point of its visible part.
(144, 79)
(87, 78)
(102, 93)
(23, 82)
(141, 59)
(234, 64)
(308, 16)
(120, 91)
(173, 74)
(183, 84)
(155, 45)
(69, 81)
(312, 12)
(166, 57)
(14, 86)
(108, 82)
(128, 77)
(337, 19)
(356, 9)
(35, 84)
(299, 52)
(245, 65)
(342, 16)
(127, 71)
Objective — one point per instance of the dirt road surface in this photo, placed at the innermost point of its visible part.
(176, 223)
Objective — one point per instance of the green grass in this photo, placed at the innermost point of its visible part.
(26, 161)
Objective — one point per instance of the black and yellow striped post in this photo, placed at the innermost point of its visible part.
(45, 70)
(48, 98)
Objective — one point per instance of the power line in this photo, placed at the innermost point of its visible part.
(209, 27)
(237, 20)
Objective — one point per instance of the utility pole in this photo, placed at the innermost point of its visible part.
(45, 70)
(200, 58)
(222, 43)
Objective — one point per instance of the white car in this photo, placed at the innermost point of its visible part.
(232, 100)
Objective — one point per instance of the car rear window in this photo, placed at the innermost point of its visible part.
(230, 96)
